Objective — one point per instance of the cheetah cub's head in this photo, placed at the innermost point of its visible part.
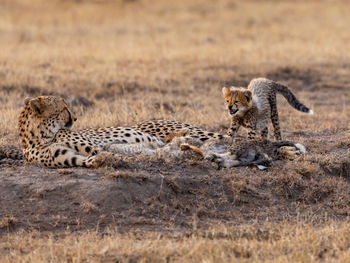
(238, 100)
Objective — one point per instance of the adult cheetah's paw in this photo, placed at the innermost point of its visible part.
(95, 151)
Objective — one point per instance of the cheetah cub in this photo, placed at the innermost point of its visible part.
(254, 106)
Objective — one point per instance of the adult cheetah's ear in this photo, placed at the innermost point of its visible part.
(26, 100)
(225, 91)
(248, 95)
(36, 105)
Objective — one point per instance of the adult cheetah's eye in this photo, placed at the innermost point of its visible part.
(227, 101)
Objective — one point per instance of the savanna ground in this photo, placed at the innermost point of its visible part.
(120, 62)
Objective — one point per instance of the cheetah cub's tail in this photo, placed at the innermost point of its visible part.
(290, 97)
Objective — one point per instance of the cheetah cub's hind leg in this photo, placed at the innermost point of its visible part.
(189, 146)
(196, 152)
(181, 133)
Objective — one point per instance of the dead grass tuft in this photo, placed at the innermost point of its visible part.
(337, 165)
(88, 207)
(8, 221)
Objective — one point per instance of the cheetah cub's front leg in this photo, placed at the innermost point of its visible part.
(263, 133)
(252, 131)
(234, 126)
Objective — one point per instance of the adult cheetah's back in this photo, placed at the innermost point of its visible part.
(162, 128)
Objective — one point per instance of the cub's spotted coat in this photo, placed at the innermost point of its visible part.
(253, 107)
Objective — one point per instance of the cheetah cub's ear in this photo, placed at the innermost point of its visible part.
(248, 95)
(225, 91)
(36, 105)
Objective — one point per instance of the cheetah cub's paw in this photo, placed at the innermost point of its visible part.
(290, 152)
(195, 151)
(181, 133)
(103, 158)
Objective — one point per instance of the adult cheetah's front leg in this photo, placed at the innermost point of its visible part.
(77, 142)
(60, 156)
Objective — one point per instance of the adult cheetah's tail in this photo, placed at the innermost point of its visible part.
(292, 100)
(11, 152)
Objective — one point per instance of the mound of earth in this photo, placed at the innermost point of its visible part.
(171, 197)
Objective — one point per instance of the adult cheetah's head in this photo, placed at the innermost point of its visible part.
(44, 116)
(238, 100)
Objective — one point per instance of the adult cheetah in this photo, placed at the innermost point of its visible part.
(45, 126)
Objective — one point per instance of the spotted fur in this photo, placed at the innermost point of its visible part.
(255, 106)
(165, 128)
(45, 126)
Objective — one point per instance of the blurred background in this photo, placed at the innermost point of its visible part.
(249, 31)
(128, 60)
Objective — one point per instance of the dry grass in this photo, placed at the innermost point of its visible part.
(142, 59)
(253, 243)
(7, 221)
